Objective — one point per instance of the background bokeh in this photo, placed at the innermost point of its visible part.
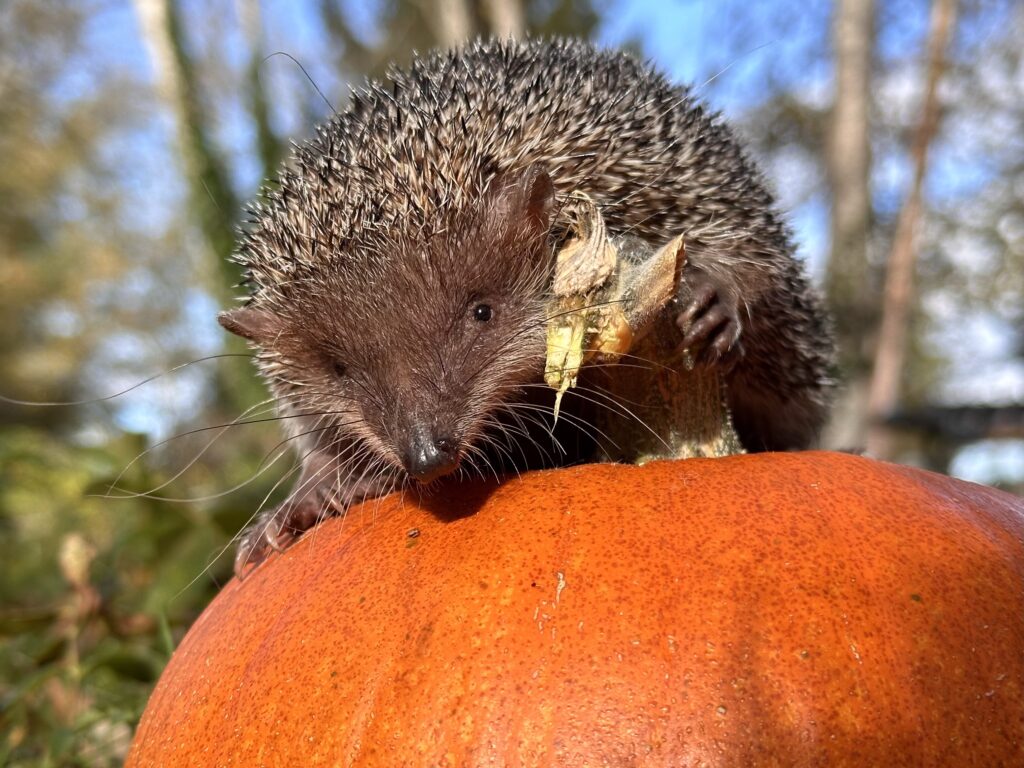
(132, 133)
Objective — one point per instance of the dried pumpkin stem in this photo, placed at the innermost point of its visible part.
(680, 409)
(610, 299)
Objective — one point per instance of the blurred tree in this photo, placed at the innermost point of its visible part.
(963, 342)
(214, 202)
(970, 266)
(270, 147)
(44, 246)
(848, 159)
(505, 18)
(891, 348)
(404, 26)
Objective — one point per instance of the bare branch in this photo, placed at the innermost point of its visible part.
(899, 280)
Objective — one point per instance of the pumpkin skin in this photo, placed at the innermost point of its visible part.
(772, 609)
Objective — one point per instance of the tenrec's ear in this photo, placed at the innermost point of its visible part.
(260, 326)
(526, 196)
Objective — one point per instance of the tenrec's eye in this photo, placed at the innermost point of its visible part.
(339, 369)
(482, 313)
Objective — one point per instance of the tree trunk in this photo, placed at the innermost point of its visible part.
(270, 148)
(849, 166)
(899, 280)
(505, 18)
(452, 21)
(213, 202)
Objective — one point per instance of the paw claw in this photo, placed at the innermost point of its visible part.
(277, 529)
(703, 297)
(710, 322)
(703, 330)
(256, 545)
(275, 542)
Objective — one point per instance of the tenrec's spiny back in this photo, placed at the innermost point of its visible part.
(404, 156)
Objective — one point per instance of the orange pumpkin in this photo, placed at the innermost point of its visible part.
(788, 609)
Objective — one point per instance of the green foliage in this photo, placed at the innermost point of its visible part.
(88, 582)
(98, 584)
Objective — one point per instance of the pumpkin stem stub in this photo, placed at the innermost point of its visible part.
(609, 300)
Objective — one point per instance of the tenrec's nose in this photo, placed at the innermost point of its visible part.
(429, 457)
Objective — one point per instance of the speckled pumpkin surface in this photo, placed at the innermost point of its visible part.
(791, 609)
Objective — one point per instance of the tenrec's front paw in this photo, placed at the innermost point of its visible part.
(274, 530)
(268, 533)
(710, 322)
